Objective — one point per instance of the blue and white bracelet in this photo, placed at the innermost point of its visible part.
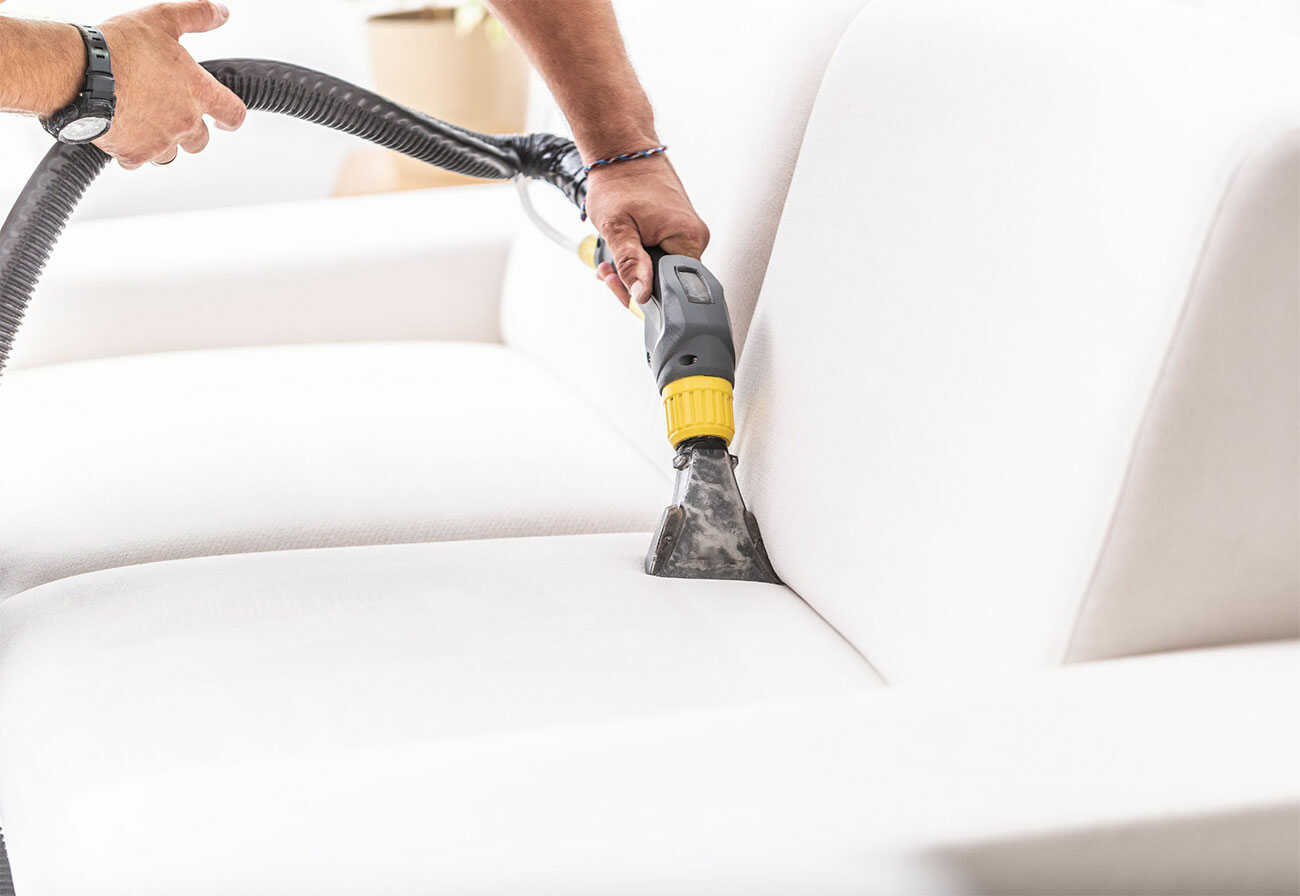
(613, 160)
(625, 157)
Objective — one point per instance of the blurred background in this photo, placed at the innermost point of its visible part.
(451, 59)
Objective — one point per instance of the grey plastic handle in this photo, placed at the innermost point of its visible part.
(687, 325)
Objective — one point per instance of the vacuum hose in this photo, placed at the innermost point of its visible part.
(46, 203)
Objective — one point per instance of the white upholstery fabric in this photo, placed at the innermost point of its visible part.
(153, 457)
(538, 716)
(1024, 356)
(1203, 545)
(188, 671)
(989, 245)
(424, 265)
(732, 86)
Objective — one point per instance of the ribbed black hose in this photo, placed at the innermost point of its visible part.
(45, 204)
(6, 876)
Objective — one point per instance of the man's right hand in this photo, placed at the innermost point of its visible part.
(162, 93)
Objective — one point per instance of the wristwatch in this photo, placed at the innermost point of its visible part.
(90, 115)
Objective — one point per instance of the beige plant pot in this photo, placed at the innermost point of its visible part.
(468, 79)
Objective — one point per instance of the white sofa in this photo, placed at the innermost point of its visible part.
(323, 522)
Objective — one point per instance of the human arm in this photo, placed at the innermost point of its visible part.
(162, 93)
(43, 63)
(576, 46)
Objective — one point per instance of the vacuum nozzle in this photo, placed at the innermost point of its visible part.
(708, 532)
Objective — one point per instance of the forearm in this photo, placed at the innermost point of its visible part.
(576, 46)
(41, 65)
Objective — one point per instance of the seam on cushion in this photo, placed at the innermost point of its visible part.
(744, 428)
(875, 670)
(316, 547)
(393, 544)
(251, 346)
(582, 399)
(1088, 598)
(850, 23)
(843, 637)
(742, 438)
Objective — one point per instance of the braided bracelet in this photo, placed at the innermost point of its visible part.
(625, 157)
(613, 160)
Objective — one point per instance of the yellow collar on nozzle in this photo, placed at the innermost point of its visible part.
(697, 406)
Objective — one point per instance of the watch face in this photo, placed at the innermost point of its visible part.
(83, 129)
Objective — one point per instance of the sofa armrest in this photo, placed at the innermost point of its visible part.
(1170, 773)
(420, 265)
(1160, 774)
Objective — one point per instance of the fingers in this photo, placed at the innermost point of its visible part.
(196, 140)
(163, 95)
(630, 258)
(192, 142)
(691, 241)
(192, 16)
(605, 271)
(226, 109)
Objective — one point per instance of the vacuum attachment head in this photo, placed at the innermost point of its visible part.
(707, 532)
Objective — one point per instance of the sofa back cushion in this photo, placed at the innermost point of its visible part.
(732, 84)
(1029, 331)
(1203, 543)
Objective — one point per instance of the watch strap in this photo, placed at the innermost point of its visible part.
(99, 67)
(98, 95)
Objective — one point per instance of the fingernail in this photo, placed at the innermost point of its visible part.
(636, 291)
(225, 10)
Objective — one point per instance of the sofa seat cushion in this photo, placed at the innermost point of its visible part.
(152, 457)
(125, 688)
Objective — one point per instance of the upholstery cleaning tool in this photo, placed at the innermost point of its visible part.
(707, 532)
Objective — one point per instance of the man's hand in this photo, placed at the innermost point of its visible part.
(634, 203)
(641, 203)
(162, 93)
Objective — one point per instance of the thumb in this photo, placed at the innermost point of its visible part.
(630, 258)
(194, 16)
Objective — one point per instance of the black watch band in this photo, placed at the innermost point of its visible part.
(99, 65)
(95, 104)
